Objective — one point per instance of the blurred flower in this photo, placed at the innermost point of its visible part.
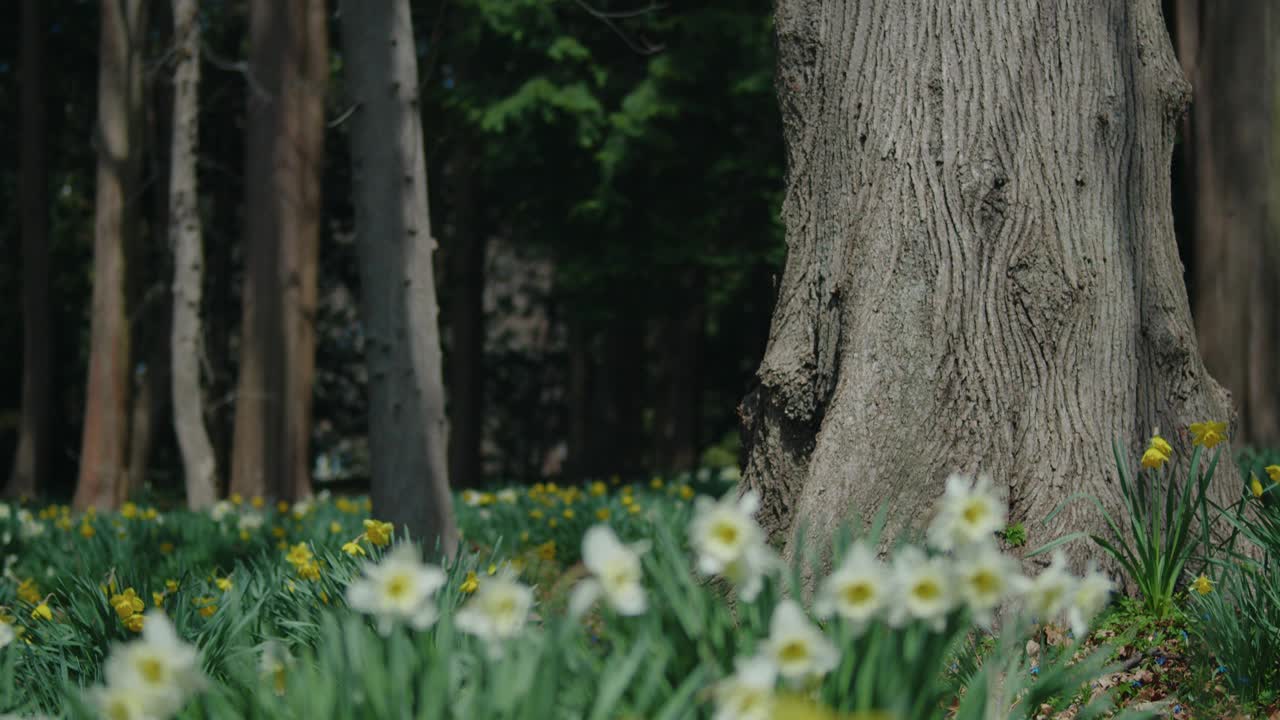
(1255, 486)
(379, 533)
(507, 495)
(257, 502)
(127, 603)
(602, 514)
(547, 550)
(923, 589)
(471, 497)
(6, 634)
(275, 663)
(986, 577)
(120, 703)
(29, 592)
(1090, 596)
(134, 622)
(223, 583)
(399, 589)
(129, 510)
(1050, 592)
(250, 521)
(171, 585)
(970, 512)
(796, 646)
(1160, 445)
(335, 527)
(1273, 471)
(729, 543)
(599, 489)
(1202, 585)
(615, 574)
(42, 612)
(856, 590)
(160, 667)
(498, 610)
(353, 548)
(1154, 459)
(747, 694)
(470, 584)
(1208, 434)
(206, 606)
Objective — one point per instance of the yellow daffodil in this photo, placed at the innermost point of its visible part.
(536, 514)
(42, 612)
(568, 513)
(299, 555)
(171, 585)
(129, 511)
(335, 527)
(127, 603)
(134, 622)
(547, 550)
(686, 492)
(157, 599)
(552, 523)
(1160, 444)
(1153, 458)
(1202, 585)
(257, 502)
(86, 530)
(1255, 486)
(470, 584)
(1273, 471)
(29, 592)
(353, 549)
(223, 583)
(282, 507)
(236, 498)
(598, 488)
(634, 509)
(491, 569)
(207, 606)
(656, 483)
(1208, 434)
(602, 514)
(379, 533)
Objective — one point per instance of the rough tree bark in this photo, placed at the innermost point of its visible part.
(198, 465)
(1230, 55)
(981, 273)
(407, 431)
(31, 459)
(120, 94)
(270, 447)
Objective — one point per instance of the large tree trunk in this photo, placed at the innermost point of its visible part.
(1230, 55)
(31, 460)
(407, 432)
(105, 440)
(198, 465)
(981, 273)
(270, 454)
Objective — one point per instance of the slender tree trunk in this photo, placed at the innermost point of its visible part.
(270, 454)
(981, 273)
(31, 461)
(466, 323)
(198, 465)
(118, 138)
(1230, 55)
(407, 429)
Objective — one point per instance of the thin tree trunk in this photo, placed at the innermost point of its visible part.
(1230, 55)
(270, 453)
(407, 428)
(466, 323)
(31, 460)
(198, 464)
(981, 273)
(105, 439)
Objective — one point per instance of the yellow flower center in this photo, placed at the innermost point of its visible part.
(726, 533)
(986, 582)
(974, 512)
(793, 651)
(926, 590)
(397, 587)
(151, 670)
(858, 593)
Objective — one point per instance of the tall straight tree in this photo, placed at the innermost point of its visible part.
(119, 139)
(288, 69)
(981, 271)
(1231, 55)
(407, 431)
(198, 464)
(31, 460)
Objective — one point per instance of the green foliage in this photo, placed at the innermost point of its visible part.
(1016, 535)
(1158, 542)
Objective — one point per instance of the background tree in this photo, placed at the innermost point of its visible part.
(118, 138)
(407, 425)
(981, 274)
(198, 462)
(31, 459)
(1231, 152)
(287, 70)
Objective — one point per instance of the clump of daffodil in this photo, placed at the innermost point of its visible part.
(1208, 434)
(302, 560)
(1202, 585)
(129, 607)
(1157, 453)
(378, 533)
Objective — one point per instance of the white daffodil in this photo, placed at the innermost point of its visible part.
(986, 577)
(122, 703)
(748, 693)
(856, 591)
(498, 610)
(796, 646)
(615, 574)
(1050, 592)
(251, 521)
(729, 543)
(471, 498)
(6, 634)
(401, 588)
(508, 495)
(5, 511)
(970, 512)
(1090, 596)
(160, 668)
(924, 589)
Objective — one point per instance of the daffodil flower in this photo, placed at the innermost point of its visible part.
(857, 590)
(1208, 434)
(970, 512)
(399, 589)
(615, 574)
(796, 647)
